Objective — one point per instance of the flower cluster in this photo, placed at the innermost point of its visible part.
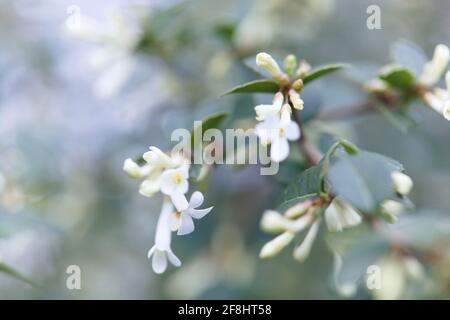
(275, 125)
(437, 98)
(168, 174)
(308, 214)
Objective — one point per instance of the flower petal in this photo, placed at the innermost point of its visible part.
(167, 182)
(186, 225)
(292, 131)
(149, 187)
(173, 258)
(159, 261)
(199, 213)
(196, 200)
(179, 201)
(151, 251)
(279, 150)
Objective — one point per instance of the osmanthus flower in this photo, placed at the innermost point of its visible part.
(434, 69)
(264, 111)
(439, 99)
(182, 221)
(340, 215)
(277, 131)
(174, 183)
(161, 250)
(401, 183)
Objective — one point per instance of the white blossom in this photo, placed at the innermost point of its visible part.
(174, 183)
(434, 69)
(297, 102)
(161, 250)
(264, 111)
(277, 131)
(265, 60)
(401, 182)
(439, 99)
(134, 170)
(182, 221)
(339, 215)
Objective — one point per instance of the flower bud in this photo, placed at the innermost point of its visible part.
(275, 246)
(402, 183)
(413, 267)
(274, 222)
(133, 169)
(298, 85)
(302, 251)
(390, 209)
(298, 209)
(290, 63)
(266, 61)
(297, 102)
(303, 69)
(434, 69)
(392, 279)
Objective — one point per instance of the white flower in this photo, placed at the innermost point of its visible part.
(134, 170)
(274, 246)
(434, 69)
(174, 183)
(183, 221)
(401, 182)
(277, 131)
(161, 251)
(266, 110)
(297, 102)
(298, 209)
(265, 60)
(439, 99)
(340, 215)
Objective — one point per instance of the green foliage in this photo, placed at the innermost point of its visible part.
(210, 122)
(263, 85)
(322, 71)
(6, 269)
(363, 179)
(398, 77)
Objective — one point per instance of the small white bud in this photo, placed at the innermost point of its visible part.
(298, 209)
(265, 60)
(302, 251)
(133, 169)
(297, 102)
(434, 69)
(274, 222)
(402, 183)
(303, 69)
(275, 246)
(391, 209)
(413, 267)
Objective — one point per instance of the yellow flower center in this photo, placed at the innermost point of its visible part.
(178, 214)
(178, 178)
(281, 132)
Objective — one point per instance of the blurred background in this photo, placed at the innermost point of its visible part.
(74, 105)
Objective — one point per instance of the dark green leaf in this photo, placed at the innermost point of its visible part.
(398, 77)
(4, 268)
(364, 179)
(210, 122)
(263, 85)
(322, 71)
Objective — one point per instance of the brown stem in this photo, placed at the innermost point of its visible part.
(311, 153)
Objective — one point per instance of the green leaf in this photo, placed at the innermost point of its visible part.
(363, 179)
(263, 85)
(322, 71)
(398, 77)
(422, 229)
(4, 268)
(210, 122)
(307, 184)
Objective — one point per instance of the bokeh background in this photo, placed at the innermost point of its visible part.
(74, 105)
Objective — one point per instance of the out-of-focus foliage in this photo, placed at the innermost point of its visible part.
(73, 107)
